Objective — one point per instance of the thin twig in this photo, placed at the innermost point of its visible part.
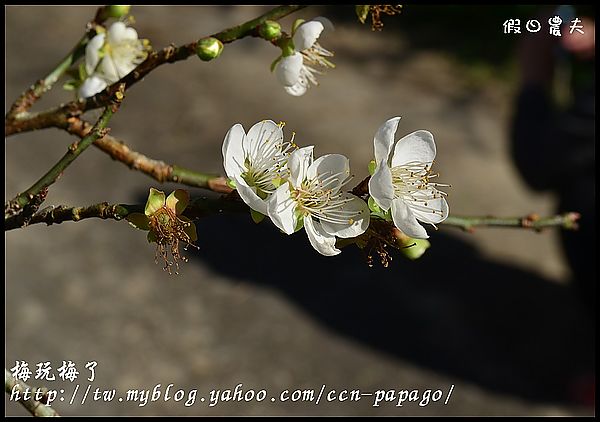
(35, 407)
(29, 97)
(566, 220)
(16, 205)
(34, 121)
(158, 170)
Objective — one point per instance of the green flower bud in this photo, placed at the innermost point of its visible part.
(270, 30)
(257, 217)
(117, 11)
(415, 248)
(209, 48)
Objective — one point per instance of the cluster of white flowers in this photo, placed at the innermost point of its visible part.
(110, 56)
(278, 179)
(286, 183)
(297, 70)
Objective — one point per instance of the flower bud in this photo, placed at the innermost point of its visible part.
(270, 30)
(117, 11)
(209, 48)
(411, 248)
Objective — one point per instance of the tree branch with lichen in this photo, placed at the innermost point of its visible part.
(35, 407)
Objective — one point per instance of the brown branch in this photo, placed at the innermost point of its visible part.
(158, 170)
(33, 406)
(198, 208)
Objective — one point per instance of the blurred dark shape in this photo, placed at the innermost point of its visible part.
(554, 147)
(453, 311)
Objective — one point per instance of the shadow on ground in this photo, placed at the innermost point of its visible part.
(453, 311)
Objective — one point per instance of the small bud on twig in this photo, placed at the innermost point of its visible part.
(209, 48)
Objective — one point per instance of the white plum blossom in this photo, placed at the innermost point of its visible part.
(401, 181)
(256, 161)
(314, 197)
(110, 56)
(297, 71)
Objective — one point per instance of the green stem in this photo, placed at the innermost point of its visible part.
(74, 151)
(35, 407)
(567, 221)
(29, 97)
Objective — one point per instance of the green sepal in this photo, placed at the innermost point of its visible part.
(231, 183)
(138, 220)
(415, 248)
(296, 24)
(156, 200)
(362, 11)
(82, 72)
(372, 167)
(287, 47)
(278, 181)
(151, 237)
(71, 85)
(257, 217)
(299, 224)
(277, 60)
(373, 205)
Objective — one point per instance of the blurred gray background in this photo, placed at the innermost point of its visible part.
(490, 312)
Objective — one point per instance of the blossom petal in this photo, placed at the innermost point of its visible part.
(405, 220)
(327, 25)
(119, 32)
(138, 220)
(359, 224)
(384, 139)
(281, 208)
(297, 90)
(92, 53)
(327, 166)
(261, 132)
(178, 200)
(124, 64)
(381, 187)
(108, 69)
(233, 151)
(91, 86)
(322, 242)
(307, 34)
(438, 204)
(248, 194)
(156, 200)
(418, 147)
(298, 163)
(288, 69)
